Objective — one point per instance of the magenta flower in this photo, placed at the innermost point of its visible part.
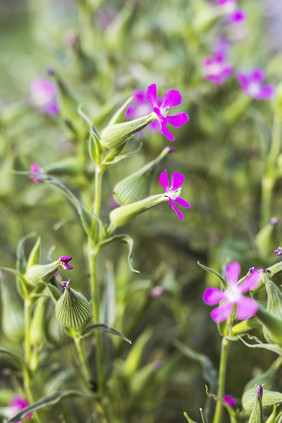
(278, 251)
(66, 284)
(246, 307)
(230, 400)
(34, 168)
(140, 107)
(157, 291)
(43, 95)
(229, 7)
(65, 260)
(251, 84)
(171, 98)
(216, 69)
(174, 190)
(17, 404)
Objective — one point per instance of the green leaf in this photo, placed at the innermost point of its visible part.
(48, 401)
(34, 255)
(106, 163)
(207, 269)
(271, 347)
(54, 291)
(119, 115)
(189, 420)
(122, 238)
(21, 260)
(16, 358)
(105, 328)
(209, 372)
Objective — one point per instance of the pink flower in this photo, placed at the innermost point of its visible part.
(65, 260)
(251, 84)
(278, 251)
(157, 291)
(43, 95)
(171, 98)
(216, 69)
(246, 307)
(229, 400)
(16, 405)
(140, 107)
(174, 190)
(34, 168)
(230, 8)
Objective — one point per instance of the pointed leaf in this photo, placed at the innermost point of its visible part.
(122, 238)
(21, 260)
(34, 255)
(207, 269)
(105, 328)
(271, 347)
(119, 115)
(48, 401)
(54, 291)
(16, 358)
(106, 163)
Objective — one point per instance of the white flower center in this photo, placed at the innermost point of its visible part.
(214, 69)
(174, 194)
(233, 293)
(253, 88)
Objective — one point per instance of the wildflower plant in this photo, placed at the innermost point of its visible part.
(78, 321)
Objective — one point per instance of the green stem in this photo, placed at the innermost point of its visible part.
(82, 358)
(221, 381)
(275, 141)
(27, 343)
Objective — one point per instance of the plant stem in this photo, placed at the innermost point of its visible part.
(27, 344)
(82, 357)
(221, 381)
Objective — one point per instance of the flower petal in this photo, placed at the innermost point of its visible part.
(213, 296)
(178, 120)
(266, 92)
(222, 312)
(238, 16)
(258, 75)
(177, 180)
(180, 215)
(182, 202)
(163, 180)
(251, 282)
(166, 132)
(233, 272)
(171, 98)
(243, 79)
(151, 95)
(246, 308)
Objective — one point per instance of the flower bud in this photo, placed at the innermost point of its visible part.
(73, 309)
(12, 312)
(136, 187)
(257, 413)
(117, 135)
(274, 306)
(44, 272)
(121, 215)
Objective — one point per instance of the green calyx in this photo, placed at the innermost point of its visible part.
(73, 309)
(117, 135)
(137, 186)
(121, 215)
(44, 272)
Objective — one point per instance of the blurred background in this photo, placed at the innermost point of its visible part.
(103, 51)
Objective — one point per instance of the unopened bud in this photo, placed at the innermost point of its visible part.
(72, 309)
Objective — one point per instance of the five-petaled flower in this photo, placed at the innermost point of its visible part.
(173, 191)
(43, 95)
(246, 307)
(216, 68)
(16, 405)
(64, 260)
(171, 98)
(251, 84)
(34, 168)
(234, 14)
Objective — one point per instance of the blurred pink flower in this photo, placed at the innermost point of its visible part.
(278, 251)
(234, 14)
(230, 400)
(140, 107)
(246, 307)
(251, 84)
(17, 404)
(34, 168)
(174, 190)
(43, 95)
(157, 291)
(216, 69)
(172, 98)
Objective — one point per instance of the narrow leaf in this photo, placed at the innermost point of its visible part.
(16, 358)
(122, 238)
(105, 328)
(272, 347)
(209, 270)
